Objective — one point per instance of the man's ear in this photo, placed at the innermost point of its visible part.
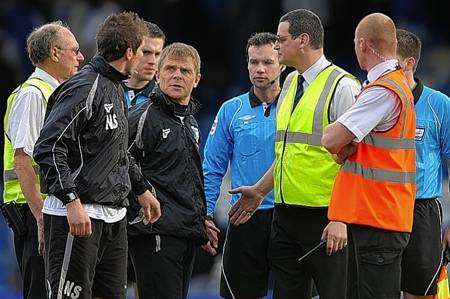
(129, 53)
(197, 80)
(54, 55)
(303, 40)
(411, 62)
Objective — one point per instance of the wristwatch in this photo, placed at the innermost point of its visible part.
(69, 197)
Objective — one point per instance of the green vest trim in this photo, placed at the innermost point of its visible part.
(304, 170)
(11, 186)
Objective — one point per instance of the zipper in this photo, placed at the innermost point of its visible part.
(189, 160)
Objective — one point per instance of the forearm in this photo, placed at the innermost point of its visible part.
(27, 179)
(265, 184)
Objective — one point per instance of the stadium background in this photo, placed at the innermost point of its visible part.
(219, 29)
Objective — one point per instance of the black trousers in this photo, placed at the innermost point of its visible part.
(296, 230)
(31, 264)
(374, 266)
(163, 265)
(86, 267)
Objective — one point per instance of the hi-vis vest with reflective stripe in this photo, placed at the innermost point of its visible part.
(376, 185)
(12, 190)
(304, 170)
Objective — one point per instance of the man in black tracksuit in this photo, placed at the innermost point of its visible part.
(165, 142)
(84, 167)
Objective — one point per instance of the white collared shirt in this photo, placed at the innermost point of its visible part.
(376, 109)
(27, 113)
(346, 90)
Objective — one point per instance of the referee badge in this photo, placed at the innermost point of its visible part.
(420, 132)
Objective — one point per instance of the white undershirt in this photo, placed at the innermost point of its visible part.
(53, 206)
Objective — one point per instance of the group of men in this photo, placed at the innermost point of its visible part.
(116, 145)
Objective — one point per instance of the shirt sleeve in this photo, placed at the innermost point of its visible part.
(346, 92)
(26, 119)
(445, 127)
(376, 109)
(217, 154)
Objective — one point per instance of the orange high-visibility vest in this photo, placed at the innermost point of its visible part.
(376, 185)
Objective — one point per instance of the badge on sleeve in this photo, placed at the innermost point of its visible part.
(420, 132)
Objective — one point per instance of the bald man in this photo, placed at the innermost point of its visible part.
(374, 190)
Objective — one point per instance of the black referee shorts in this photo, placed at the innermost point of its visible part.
(82, 268)
(245, 269)
(422, 257)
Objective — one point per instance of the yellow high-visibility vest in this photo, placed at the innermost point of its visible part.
(304, 170)
(11, 185)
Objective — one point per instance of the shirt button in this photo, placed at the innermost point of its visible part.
(380, 260)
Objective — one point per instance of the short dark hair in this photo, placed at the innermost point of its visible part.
(118, 33)
(180, 50)
(154, 31)
(305, 21)
(259, 39)
(41, 41)
(408, 45)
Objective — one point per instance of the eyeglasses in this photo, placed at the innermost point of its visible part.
(76, 51)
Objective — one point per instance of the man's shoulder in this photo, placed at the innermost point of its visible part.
(235, 103)
(435, 95)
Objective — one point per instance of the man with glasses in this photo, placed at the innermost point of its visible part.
(302, 176)
(54, 51)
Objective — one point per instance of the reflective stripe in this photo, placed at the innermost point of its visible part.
(10, 175)
(378, 174)
(405, 101)
(299, 137)
(315, 137)
(286, 86)
(318, 112)
(389, 143)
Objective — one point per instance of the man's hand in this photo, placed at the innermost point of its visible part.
(209, 248)
(213, 234)
(336, 235)
(345, 152)
(244, 208)
(40, 228)
(79, 221)
(151, 207)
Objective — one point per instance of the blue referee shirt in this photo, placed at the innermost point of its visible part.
(432, 139)
(242, 136)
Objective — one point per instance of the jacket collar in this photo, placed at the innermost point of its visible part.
(103, 67)
(146, 91)
(255, 101)
(161, 99)
(417, 91)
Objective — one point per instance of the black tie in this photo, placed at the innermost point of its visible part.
(299, 92)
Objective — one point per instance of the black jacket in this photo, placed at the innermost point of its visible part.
(167, 150)
(82, 147)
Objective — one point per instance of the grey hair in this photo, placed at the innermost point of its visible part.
(42, 39)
